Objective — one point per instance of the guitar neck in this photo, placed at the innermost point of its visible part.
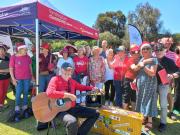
(84, 94)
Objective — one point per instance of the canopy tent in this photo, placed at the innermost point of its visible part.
(19, 20)
(39, 19)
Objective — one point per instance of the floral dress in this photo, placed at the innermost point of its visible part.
(146, 102)
(97, 70)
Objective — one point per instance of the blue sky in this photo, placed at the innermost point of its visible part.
(87, 11)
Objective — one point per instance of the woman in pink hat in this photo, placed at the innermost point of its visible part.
(21, 74)
(4, 74)
(71, 50)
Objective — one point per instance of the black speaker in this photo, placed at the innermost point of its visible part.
(94, 100)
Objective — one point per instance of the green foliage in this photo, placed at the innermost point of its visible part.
(80, 43)
(176, 37)
(58, 45)
(146, 19)
(113, 22)
(111, 39)
(93, 42)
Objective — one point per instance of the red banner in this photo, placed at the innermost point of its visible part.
(51, 16)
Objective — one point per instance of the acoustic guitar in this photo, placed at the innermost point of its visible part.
(45, 109)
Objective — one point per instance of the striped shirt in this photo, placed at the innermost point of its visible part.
(171, 55)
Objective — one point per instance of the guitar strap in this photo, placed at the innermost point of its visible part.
(69, 86)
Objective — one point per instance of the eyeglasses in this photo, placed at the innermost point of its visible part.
(146, 49)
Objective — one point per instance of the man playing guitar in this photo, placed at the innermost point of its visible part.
(63, 86)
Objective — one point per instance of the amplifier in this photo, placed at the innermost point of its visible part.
(94, 100)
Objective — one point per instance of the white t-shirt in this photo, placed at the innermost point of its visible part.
(61, 61)
(109, 73)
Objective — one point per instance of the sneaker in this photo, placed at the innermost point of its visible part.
(26, 113)
(111, 104)
(107, 103)
(162, 127)
(17, 116)
(172, 116)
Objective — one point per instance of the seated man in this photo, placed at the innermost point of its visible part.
(63, 86)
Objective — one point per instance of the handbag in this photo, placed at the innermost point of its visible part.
(133, 85)
(51, 65)
(163, 76)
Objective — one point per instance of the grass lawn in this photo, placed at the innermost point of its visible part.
(28, 126)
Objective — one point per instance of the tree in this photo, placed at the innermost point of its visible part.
(113, 22)
(111, 39)
(176, 38)
(80, 43)
(58, 45)
(146, 19)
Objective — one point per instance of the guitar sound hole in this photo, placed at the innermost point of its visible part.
(60, 102)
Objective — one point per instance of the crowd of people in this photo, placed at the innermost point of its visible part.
(131, 79)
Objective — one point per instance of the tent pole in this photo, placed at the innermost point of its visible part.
(98, 42)
(37, 55)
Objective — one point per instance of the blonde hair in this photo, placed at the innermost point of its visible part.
(109, 50)
(95, 48)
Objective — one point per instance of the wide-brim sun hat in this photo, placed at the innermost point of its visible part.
(71, 46)
(5, 47)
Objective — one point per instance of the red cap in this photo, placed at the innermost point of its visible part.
(46, 46)
(134, 48)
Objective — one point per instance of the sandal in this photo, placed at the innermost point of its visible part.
(145, 120)
(172, 116)
(149, 125)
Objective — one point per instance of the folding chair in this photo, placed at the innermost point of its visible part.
(53, 125)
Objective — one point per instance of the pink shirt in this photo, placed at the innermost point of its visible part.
(171, 55)
(21, 66)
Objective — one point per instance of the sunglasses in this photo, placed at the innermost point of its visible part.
(135, 52)
(159, 50)
(147, 48)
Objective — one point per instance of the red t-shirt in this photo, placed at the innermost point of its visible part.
(57, 86)
(81, 65)
(130, 74)
(120, 68)
(178, 62)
